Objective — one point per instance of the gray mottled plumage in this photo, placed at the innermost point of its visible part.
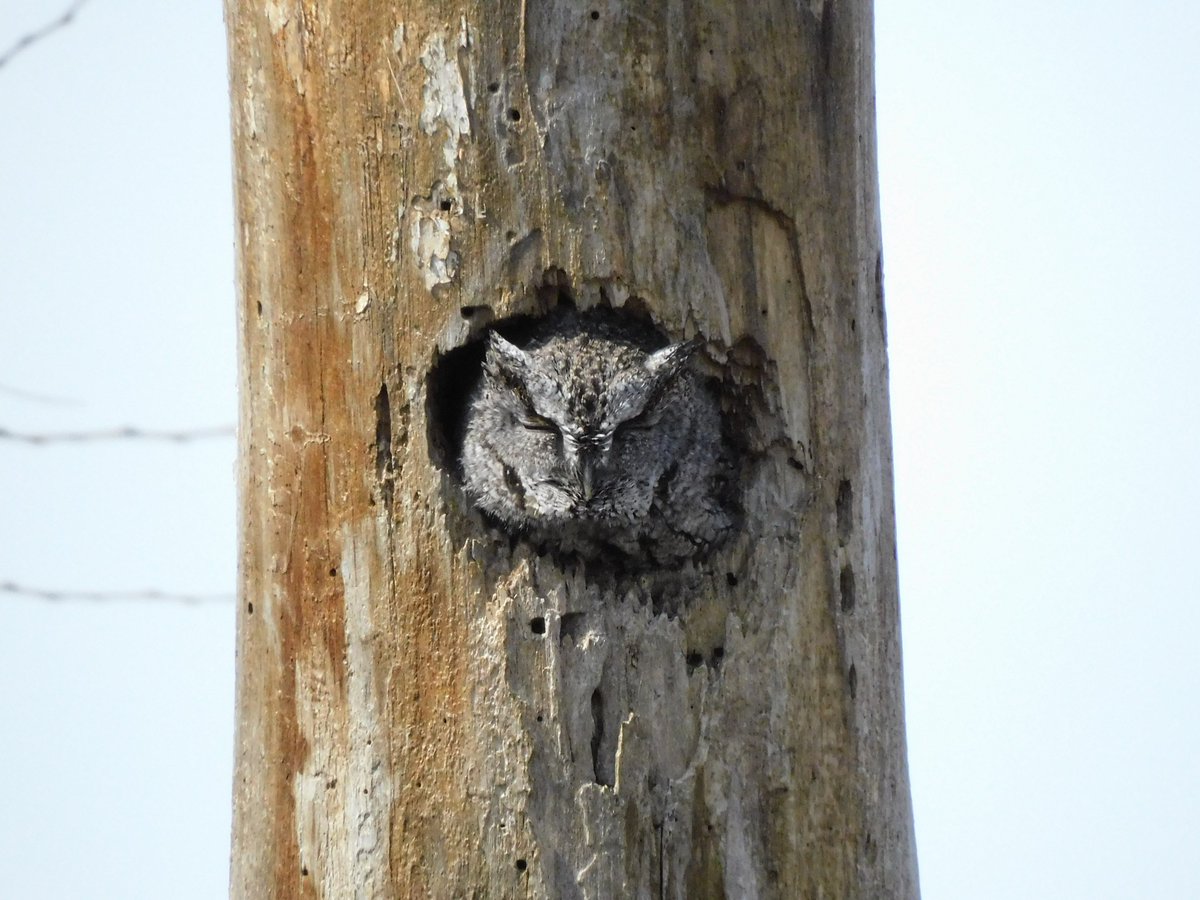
(592, 436)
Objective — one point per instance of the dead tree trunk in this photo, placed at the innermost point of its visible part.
(429, 708)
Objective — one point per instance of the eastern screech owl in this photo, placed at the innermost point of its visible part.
(592, 436)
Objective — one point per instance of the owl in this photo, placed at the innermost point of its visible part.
(594, 437)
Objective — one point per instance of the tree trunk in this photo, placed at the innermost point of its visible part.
(428, 708)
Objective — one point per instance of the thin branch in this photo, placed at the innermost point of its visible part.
(8, 587)
(33, 397)
(117, 434)
(28, 40)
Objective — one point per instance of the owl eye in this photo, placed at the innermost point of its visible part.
(643, 422)
(533, 422)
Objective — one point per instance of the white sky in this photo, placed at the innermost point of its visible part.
(1040, 192)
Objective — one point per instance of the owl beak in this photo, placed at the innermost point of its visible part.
(587, 479)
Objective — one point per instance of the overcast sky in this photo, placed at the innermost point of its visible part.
(1040, 193)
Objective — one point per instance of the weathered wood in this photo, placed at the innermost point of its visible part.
(428, 710)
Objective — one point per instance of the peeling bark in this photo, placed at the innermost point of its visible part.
(428, 708)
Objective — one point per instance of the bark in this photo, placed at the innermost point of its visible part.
(428, 709)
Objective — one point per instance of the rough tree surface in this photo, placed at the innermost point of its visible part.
(429, 709)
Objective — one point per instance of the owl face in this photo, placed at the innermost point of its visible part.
(581, 429)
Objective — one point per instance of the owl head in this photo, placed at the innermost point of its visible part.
(578, 428)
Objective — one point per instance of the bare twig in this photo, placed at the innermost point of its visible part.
(116, 434)
(33, 397)
(8, 587)
(28, 40)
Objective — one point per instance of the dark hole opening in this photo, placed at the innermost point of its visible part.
(845, 510)
(597, 736)
(846, 588)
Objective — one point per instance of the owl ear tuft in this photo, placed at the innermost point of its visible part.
(505, 360)
(668, 362)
